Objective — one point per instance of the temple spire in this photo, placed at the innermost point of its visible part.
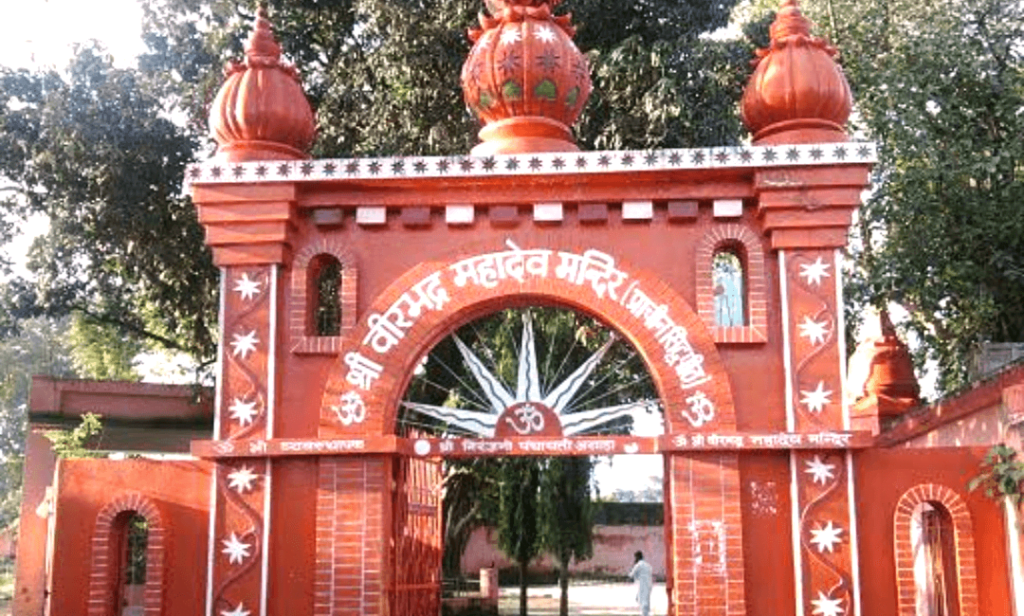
(798, 93)
(261, 111)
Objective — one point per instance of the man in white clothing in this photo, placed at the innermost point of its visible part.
(641, 574)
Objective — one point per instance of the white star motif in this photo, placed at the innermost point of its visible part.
(813, 330)
(247, 287)
(243, 345)
(816, 399)
(235, 549)
(814, 272)
(820, 471)
(242, 479)
(510, 35)
(243, 412)
(826, 606)
(826, 538)
(238, 611)
(544, 33)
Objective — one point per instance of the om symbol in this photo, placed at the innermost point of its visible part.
(352, 409)
(701, 410)
(529, 420)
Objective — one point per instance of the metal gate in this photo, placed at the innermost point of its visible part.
(417, 534)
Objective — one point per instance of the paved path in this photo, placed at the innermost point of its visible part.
(584, 600)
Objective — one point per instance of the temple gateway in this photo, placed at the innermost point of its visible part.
(788, 489)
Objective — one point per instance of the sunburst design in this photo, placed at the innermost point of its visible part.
(562, 399)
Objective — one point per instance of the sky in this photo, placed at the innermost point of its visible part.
(42, 33)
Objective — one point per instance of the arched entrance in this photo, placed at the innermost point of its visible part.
(532, 371)
(366, 395)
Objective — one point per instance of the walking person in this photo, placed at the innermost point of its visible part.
(642, 575)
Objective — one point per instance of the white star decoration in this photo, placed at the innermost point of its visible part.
(243, 412)
(242, 479)
(813, 330)
(510, 35)
(826, 538)
(544, 33)
(235, 549)
(816, 399)
(820, 471)
(247, 287)
(827, 606)
(238, 611)
(243, 345)
(814, 272)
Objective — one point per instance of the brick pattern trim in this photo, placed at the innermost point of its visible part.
(300, 300)
(756, 304)
(104, 541)
(705, 523)
(963, 535)
(351, 576)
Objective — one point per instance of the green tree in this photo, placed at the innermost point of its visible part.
(940, 86)
(40, 348)
(82, 441)
(518, 523)
(566, 516)
(383, 75)
(100, 351)
(471, 500)
(91, 150)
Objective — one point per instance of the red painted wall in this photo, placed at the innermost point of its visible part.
(883, 476)
(767, 534)
(179, 490)
(136, 417)
(613, 552)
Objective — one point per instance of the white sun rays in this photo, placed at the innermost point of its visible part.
(528, 389)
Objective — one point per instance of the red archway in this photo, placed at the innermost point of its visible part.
(432, 299)
(702, 490)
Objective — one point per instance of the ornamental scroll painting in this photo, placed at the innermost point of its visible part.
(822, 489)
(519, 380)
(237, 530)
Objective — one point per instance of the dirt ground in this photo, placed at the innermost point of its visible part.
(584, 600)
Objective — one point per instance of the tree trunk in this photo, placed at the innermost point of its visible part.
(522, 588)
(563, 583)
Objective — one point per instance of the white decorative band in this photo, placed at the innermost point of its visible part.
(542, 163)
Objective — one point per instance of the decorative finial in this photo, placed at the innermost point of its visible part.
(797, 94)
(261, 111)
(524, 78)
(891, 376)
(789, 21)
(261, 44)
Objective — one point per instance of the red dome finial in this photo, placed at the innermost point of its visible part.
(891, 372)
(797, 94)
(524, 78)
(261, 111)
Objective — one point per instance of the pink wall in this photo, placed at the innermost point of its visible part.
(613, 552)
